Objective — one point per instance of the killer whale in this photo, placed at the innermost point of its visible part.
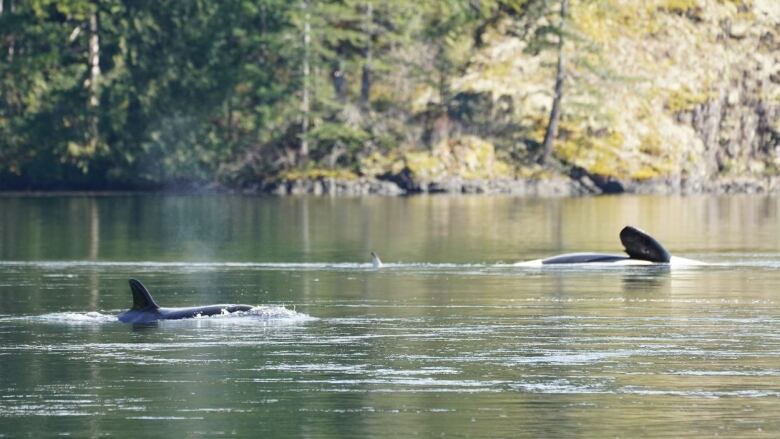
(146, 310)
(639, 246)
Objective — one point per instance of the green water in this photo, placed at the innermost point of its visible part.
(446, 340)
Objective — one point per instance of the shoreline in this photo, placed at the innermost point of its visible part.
(533, 188)
(558, 186)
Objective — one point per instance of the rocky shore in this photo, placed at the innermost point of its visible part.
(562, 186)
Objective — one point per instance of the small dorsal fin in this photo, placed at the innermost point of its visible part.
(639, 245)
(142, 300)
(375, 261)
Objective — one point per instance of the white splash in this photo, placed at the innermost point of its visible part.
(71, 318)
(263, 313)
(674, 262)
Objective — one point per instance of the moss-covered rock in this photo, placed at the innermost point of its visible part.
(672, 89)
(314, 173)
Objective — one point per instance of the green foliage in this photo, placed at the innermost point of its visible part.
(199, 92)
(686, 100)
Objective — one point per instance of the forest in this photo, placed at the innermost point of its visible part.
(169, 94)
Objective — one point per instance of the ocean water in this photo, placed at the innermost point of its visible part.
(447, 339)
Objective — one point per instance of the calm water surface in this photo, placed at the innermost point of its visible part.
(447, 340)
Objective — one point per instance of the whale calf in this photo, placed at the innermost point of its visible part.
(640, 248)
(146, 310)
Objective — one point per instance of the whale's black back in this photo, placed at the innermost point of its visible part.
(640, 245)
(583, 258)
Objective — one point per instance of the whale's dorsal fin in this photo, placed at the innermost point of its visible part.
(142, 300)
(375, 261)
(640, 245)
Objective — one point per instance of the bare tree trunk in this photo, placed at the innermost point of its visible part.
(365, 83)
(560, 76)
(11, 43)
(444, 88)
(94, 59)
(229, 118)
(94, 78)
(305, 104)
(339, 81)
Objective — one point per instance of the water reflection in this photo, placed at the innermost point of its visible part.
(94, 246)
(432, 229)
(141, 327)
(652, 279)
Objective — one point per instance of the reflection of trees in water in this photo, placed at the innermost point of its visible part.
(431, 229)
(94, 250)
